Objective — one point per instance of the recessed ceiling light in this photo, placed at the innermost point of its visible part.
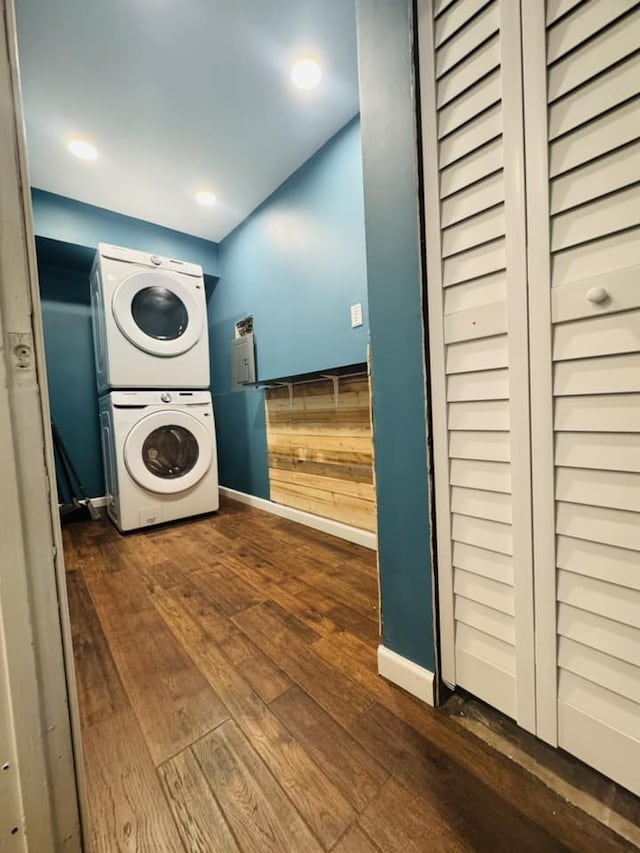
(82, 149)
(306, 73)
(206, 198)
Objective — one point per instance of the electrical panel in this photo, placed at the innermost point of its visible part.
(243, 362)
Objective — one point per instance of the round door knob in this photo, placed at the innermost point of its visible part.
(165, 397)
(597, 295)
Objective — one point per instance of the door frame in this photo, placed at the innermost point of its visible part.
(41, 721)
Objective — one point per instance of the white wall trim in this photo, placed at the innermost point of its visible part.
(405, 673)
(335, 528)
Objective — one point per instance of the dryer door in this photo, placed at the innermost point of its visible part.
(168, 452)
(159, 312)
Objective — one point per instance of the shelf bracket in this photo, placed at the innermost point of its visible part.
(336, 386)
(290, 389)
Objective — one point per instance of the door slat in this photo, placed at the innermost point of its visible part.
(480, 474)
(599, 53)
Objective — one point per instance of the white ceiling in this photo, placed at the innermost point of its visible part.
(178, 96)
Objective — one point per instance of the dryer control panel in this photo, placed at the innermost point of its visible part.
(132, 256)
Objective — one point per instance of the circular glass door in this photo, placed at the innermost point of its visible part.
(167, 452)
(170, 451)
(159, 312)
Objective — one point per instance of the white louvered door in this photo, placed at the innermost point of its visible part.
(534, 338)
(471, 70)
(582, 120)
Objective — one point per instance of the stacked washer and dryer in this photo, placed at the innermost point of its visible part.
(151, 347)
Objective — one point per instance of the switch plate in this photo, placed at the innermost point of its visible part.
(356, 315)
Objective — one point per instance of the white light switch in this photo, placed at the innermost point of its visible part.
(356, 315)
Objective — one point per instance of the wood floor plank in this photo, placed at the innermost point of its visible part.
(348, 573)
(348, 619)
(212, 540)
(317, 799)
(358, 660)
(174, 703)
(322, 543)
(232, 594)
(290, 623)
(195, 809)
(478, 817)
(401, 822)
(280, 592)
(161, 561)
(345, 763)
(72, 556)
(100, 690)
(365, 560)
(355, 840)
(338, 615)
(91, 555)
(266, 557)
(266, 563)
(266, 678)
(119, 599)
(165, 574)
(343, 592)
(127, 807)
(307, 645)
(261, 816)
(509, 781)
(124, 554)
(338, 695)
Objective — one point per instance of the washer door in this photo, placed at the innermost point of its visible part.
(158, 312)
(168, 452)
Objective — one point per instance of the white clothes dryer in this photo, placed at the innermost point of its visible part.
(159, 454)
(149, 321)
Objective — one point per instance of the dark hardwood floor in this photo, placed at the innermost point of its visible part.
(230, 702)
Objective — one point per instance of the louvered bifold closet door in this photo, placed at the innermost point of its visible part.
(582, 119)
(470, 71)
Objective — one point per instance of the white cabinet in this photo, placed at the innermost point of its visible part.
(532, 196)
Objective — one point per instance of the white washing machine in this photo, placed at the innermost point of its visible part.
(149, 321)
(159, 453)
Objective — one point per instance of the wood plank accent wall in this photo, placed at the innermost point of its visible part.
(320, 453)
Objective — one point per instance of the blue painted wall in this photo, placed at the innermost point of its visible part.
(296, 264)
(396, 320)
(66, 315)
(80, 227)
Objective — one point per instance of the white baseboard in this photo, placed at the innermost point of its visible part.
(343, 531)
(326, 525)
(99, 501)
(406, 674)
